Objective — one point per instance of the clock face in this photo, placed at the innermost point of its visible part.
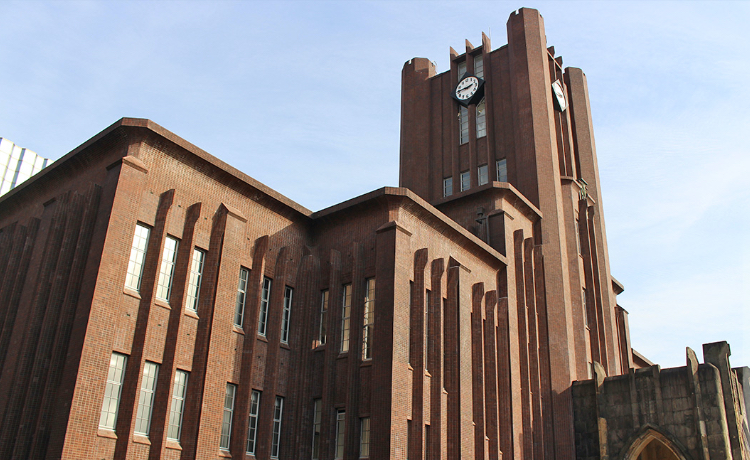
(557, 89)
(467, 88)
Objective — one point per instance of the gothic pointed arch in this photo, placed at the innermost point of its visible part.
(650, 443)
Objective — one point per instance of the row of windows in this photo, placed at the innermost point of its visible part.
(463, 122)
(113, 390)
(501, 167)
(166, 276)
(368, 324)
(364, 433)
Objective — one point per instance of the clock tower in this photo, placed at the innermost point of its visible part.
(502, 143)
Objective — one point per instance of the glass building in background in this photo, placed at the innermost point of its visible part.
(17, 164)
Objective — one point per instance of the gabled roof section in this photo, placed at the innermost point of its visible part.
(448, 226)
(142, 123)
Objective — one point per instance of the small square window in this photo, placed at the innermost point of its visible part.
(448, 186)
(465, 180)
(502, 170)
(482, 173)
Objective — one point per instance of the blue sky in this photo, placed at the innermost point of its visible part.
(305, 97)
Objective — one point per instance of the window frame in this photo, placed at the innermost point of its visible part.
(112, 383)
(323, 328)
(482, 174)
(149, 379)
(346, 311)
(463, 125)
(265, 299)
(252, 422)
(481, 115)
(340, 440)
(226, 425)
(137, 257)
(501, 170)
(195, 279)
(178, 399)
(286, 314)
(278, 413)
(447, 186)
(241, 301)
(465, 180)
(364, 437)
(166, 269)
(317, 424)
(368, 319)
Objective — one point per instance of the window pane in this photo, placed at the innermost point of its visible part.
(345, 312)
(463, 125)
(465, 180)
(226, 421)
(482, 173)
(164, 285)
(146, 398)
(502, 170)
(178, 405)
(323, 317)
(461, 69)
(137, 256)
(479, 66)
(481, 119)
(252, 424)
(276, 435)
(264, 297)
(364, 437)
(286, 314)
(194, 284)
(448, 186)
(112, 389)
(340, 420)
(239, 311)
(317, 420)
(369, 319)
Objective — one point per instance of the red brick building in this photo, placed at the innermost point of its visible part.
(157, 303)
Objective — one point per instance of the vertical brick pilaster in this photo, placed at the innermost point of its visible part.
(416, 342)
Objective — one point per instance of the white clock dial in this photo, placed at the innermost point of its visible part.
(557, 88)
(466, 88)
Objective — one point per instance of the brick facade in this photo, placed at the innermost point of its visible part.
(476, 328)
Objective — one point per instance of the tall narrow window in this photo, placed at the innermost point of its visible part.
(164, 286)
(286, 315)
(146, 398)
(364, 437)
(137, 255)
(239, 308)
(479, 66)
(428, 301)
(502, 170)
(252, 422)
(448, 186)
(111, 403)
(317, 421)
(178, 405)
(463, 125)
(482, 174)
(346, 308)
(276, 434)
(578, 237)
(340, 426)
(265, 295)
(481, 119)
(226, 420)
(461, 69)
(465, 180)
(196, 274)
(369, 319)
(323, 317)
(585, 308)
